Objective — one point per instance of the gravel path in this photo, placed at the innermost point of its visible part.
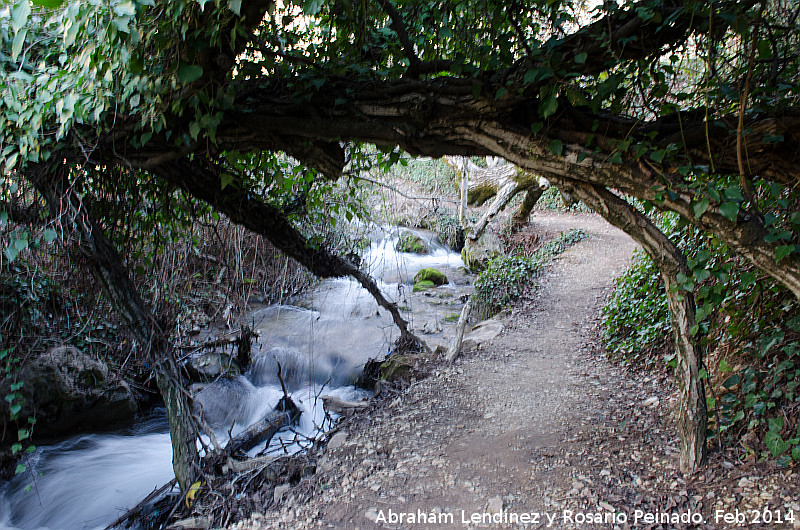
(535, 429)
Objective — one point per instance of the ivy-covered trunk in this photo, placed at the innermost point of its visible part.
(671, 262)
(107, 269)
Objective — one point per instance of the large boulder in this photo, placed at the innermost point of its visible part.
(210, 365)
(409, 242)
(482, 333)
(68, 391)
(476, 254)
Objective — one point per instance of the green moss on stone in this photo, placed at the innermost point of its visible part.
(430, 275)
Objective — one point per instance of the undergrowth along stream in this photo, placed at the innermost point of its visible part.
(506, 278)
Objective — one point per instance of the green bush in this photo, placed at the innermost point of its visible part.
(636, 318)
(506, 278)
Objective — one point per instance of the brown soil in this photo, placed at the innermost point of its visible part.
(536, 423)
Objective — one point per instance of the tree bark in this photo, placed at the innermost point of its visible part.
(455, 348)
(107, 269)
(285, 413)
(692, 412)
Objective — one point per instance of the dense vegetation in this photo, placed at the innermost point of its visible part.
(507, 278)
(748, 328)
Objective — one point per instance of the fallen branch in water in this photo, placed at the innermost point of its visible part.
(285, 413)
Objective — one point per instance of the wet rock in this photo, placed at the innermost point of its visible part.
(192, 523)
(280, 492)
(423, 286)
(211, 365)
(431, 275)
(495, 505)
(73, 392)
(337, 440)
(409, 242)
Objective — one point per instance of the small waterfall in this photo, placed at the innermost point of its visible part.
(321, 341)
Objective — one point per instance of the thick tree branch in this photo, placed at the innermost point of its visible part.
(243, 208)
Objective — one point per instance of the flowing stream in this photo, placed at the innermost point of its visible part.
(321, 340)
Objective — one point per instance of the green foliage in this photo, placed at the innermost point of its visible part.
(507, 278)
(432, 175)
(551, 200)
(15, 400)
(636, 318)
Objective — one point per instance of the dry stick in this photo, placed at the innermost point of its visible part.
(280, 377)
(746, 184)
(396, 190)
(455, 348)
(155, 493)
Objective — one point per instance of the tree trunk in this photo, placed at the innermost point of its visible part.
(455, 348)
(692, 412)
(532, 196)
(107, 269)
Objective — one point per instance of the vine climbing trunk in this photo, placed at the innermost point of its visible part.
(670, 260)
(107, 269)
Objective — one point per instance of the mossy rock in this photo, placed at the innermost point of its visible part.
(430, 275)
(476, 254)
(398, 367)
(423, 286)
(409, 242)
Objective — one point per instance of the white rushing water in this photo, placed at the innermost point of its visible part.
(321, 342)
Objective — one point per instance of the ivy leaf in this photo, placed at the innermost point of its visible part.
(312, 7)
(194, 130)
(224, 180)
(549, 106)
(775, 443)
(21, 468)
(49, 4)
(556, 147)
(782, 251)
(700, 208)
(188, 73)
(580, 58)
(20, 13)
(49, 235)
(730, 210)
(125, 9)
(19, 41)
(796, 453)
(236, 6)
(530, 76)
(766, 343)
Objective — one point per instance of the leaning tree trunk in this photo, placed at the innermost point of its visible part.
(501, 180)
(692, 412)
(107, 269)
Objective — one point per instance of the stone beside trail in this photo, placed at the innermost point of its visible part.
(537, 421)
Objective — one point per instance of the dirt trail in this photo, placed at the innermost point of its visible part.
(536, 423)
